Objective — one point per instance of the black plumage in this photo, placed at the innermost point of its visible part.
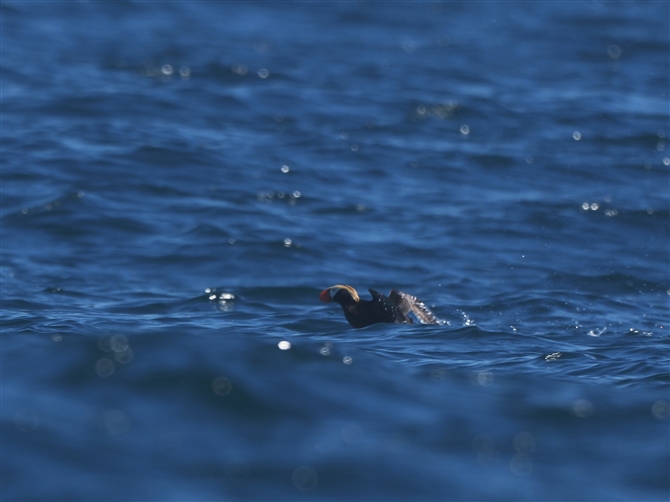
(380, 309)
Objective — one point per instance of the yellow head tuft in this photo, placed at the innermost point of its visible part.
(352, 291)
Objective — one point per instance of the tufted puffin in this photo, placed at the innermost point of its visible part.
(392, 308)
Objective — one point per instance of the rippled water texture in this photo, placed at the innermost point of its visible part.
(180, 180)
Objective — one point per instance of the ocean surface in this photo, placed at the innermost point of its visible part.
(180, 180)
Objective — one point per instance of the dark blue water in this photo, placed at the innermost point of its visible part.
(181, 180)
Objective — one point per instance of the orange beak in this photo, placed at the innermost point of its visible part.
(325, 296)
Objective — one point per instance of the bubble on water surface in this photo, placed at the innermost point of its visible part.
(305, 478)
(124, 357)
(26, 419)
(222, 386)
(614, 51)
(524, 442)
(118, 343)
(484, 378)
(115, 422)
(485, 448)
(583, 408)
(104, 367)
(408, 45)
(352, 434)
(521, 464)
(661, 409)
(239, 69)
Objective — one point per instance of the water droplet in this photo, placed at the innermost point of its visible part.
(614, 51)
(661, 409)
(409, 46)
(524, 442)
(583, 408)
(596, 332)
(485, 447)
(352, 434)
(521, 464)
(26, 420)
(305, 478)
(119, 343)
(104, 367)
(485, 378)
(115, 422)
(222, 386)
(124, 357)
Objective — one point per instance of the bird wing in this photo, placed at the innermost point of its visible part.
(390, 308)
(407, 302)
